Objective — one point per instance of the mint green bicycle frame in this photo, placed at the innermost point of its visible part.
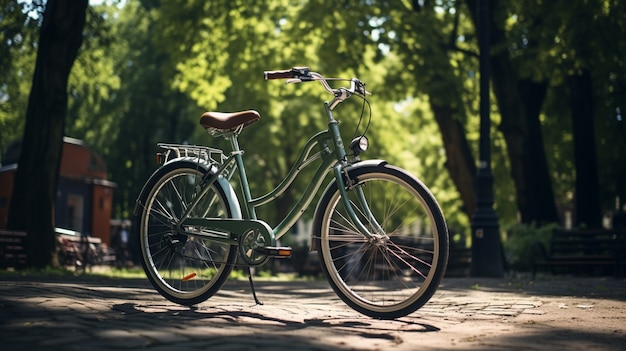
(331, 151)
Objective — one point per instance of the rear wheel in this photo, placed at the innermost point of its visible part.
(185, 269)
(396, 271)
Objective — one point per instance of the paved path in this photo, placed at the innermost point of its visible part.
(465, 314)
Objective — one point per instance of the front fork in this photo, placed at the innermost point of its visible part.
(361, 205)
(339, 171)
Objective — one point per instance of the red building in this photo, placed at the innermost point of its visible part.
(84, 195)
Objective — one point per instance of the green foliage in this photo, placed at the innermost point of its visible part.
(18, 35)
(94, 84)
(148, 69)
(519, 246)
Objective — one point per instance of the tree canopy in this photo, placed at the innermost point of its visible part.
(148, 69)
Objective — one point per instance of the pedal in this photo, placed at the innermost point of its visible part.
(278, 252)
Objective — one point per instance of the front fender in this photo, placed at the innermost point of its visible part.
(366, 163)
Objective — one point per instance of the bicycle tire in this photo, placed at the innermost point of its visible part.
(186, 270)
(397, 273)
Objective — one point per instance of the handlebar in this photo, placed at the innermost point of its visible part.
(304, 74)
(296, 72)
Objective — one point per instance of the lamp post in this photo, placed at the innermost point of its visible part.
(486, 250)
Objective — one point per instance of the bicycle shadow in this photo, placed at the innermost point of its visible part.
(123, 314)
(268, 322)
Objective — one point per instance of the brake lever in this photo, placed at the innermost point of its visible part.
(300, 79)
(293, 80)
(360, 88)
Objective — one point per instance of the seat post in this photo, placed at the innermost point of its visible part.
(234, 142)
(243, 178)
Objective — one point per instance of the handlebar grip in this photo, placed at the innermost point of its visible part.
(269, 75)
(296, 72)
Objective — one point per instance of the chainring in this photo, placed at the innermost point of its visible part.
(251, 245)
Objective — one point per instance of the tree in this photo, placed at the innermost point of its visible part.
(170, 61)
(586, 56)
(146, 108)
(221, 67)
(431, 66)
(18, 37)
(580, 66)
(587, 188)
(34, 191)
(520, 99)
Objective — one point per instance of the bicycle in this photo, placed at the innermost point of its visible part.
(380, 234)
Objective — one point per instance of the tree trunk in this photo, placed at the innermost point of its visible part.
(34, 191)
(521, 128)
(588, 212)
(459, 160)
(519, 101)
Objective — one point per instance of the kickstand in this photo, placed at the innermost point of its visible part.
(256, 300)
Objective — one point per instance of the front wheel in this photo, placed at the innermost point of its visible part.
(183, 268)
(397, 271)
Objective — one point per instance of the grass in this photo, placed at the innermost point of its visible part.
(49, 271)
(129, 273)
(62, 272)
(136, 273)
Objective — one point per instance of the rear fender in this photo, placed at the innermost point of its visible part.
(229, 192)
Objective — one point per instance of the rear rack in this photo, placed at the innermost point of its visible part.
(202, 153)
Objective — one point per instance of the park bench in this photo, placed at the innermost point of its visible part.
(587, 251)
(459, 261)
(71, 245)
(76, 247)
(12, 249)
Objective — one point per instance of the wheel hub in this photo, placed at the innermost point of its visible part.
(379, 240)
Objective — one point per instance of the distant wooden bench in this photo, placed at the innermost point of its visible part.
(74, 247)
(594, 252)
(12, 249)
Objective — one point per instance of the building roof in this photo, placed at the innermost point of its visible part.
(79, 161)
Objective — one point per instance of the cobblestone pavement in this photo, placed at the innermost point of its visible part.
(465, 314)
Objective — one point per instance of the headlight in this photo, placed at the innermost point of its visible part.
(359, 144)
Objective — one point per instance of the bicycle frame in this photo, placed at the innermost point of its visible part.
(332, 153)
